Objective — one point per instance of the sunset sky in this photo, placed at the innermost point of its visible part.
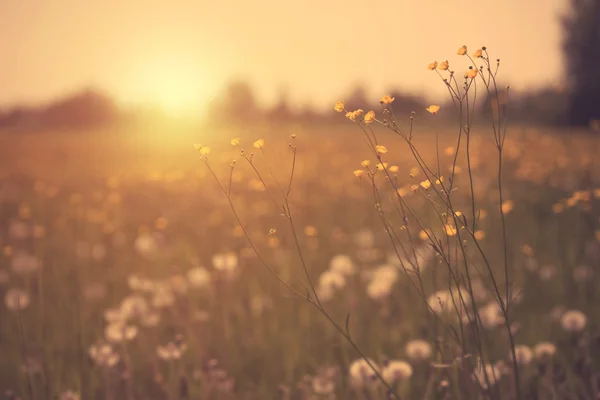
(180, 53)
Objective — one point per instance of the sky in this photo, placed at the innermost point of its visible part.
(180, 53)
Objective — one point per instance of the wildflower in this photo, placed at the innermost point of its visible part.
(339, 106)
(396, 370)
(450, 229)
(370, 117)
(381, 166)
(479, 235)
(120, 332)
(490, 316)
(432, 66)
(226, 262)
(16, 299)
(198, 277)
(462, 51)
(433, 109)
(361, 373)
(524, 354)
(365, 163)
(171, 351)
(418, 349)
(358, 173)
(472, 73)
(394, 168)
(380, 149)
(354, 115)
(426, 184)
(573, 321)
(507, 206)
(444, 65)
(478, 54)
(103, 355)
(203, 150)
(332, 279)
(259, 144)
(544, 350)
(342, 264)
(134, 306)
(387, 99)
(235, 141)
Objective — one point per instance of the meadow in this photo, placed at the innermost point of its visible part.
(135, 267)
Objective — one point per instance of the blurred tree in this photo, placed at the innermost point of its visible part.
(237, 103)
(581, 47)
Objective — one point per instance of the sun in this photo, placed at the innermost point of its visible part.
(180, 88)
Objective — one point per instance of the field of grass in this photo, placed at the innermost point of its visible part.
(126, 273)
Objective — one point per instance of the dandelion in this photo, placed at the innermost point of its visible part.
(432, 66)
(396, 370)
(361, 374)
(433, 109)
(524, 354)
(462, 51)
(478, 54)
(381, 149)
(418, 350)
(259, 144)
(339, 106)
(369, 117)
(16, 299)
(544, 350)
(387, 99)
(444, 65)
(573, 321)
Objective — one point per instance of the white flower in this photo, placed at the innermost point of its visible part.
(573, 321)
(134, 306)
(198, 277)
(332, 279)
(120, 332)
(379, 289)
(361, 373)
(418, 349)
(544, 350)
(396, 370)
(524, 354)
(171, 351)
(103, 355)
(226, 262)
(342, 264)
